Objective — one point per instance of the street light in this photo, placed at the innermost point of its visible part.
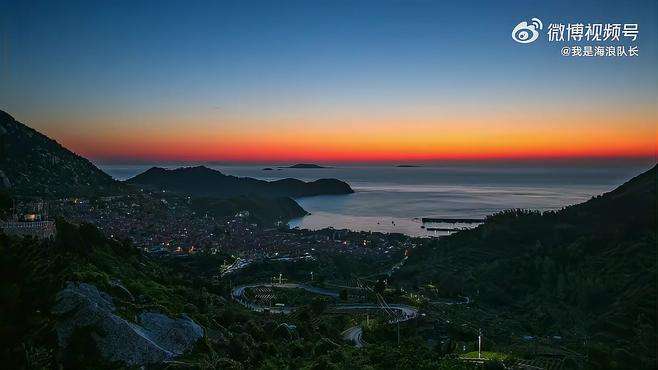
(479, 343)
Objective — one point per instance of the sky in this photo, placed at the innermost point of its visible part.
(326, 81)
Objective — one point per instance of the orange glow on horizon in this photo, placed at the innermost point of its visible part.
(313, 149)
(457, 136)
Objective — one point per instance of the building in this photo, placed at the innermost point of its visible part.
(38, 229)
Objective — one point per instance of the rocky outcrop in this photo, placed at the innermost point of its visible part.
(154, 338)
(121, 290)
(4, 181)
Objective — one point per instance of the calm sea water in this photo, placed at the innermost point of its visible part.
(393, 199)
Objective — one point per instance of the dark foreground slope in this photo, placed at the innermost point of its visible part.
(203, 181)
(586, 272)
(34, 273)
(33, 164)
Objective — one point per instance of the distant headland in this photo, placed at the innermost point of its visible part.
(201, 181)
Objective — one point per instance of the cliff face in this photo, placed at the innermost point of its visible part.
(203, 181)
(31, 164)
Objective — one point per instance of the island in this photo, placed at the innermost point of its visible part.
(408, 165)
(268, 169)
(306, 165)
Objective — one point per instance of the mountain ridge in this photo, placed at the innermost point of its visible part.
(32, 164)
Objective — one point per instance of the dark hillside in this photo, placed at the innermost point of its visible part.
(263, 211)
(31, 164)
(587, 271)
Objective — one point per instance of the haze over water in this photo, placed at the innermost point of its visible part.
(393, 199)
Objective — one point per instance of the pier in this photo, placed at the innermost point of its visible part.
(452, 220)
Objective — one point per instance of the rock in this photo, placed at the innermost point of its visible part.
(4, 180)
(120, 289)
(83, 305)
(156, 338)
(177, 335)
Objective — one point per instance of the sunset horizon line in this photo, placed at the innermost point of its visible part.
(529, 160)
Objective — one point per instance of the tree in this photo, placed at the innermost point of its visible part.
(380, 286)
(5, 201)
(318, 305)
(343, 295)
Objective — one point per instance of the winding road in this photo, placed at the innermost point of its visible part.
(238, 294)
(354, 335)
(403, 312)
(398, 312)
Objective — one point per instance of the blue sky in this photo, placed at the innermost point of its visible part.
(79, 65)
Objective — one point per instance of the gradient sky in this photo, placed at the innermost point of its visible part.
(324, 81)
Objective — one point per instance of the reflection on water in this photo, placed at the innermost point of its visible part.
(392, 199)
(400, 209)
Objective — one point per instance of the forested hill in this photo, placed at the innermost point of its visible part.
(587, 272)
(632, 205)
(203, 181)
(31, 164)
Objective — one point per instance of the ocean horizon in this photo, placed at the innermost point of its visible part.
(394, 199)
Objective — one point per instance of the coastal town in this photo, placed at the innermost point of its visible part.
(167, 225)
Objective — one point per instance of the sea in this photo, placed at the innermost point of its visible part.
(393, 199)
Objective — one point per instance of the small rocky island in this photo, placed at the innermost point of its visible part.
(306, 165)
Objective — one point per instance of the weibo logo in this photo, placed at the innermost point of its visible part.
(525, 33)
